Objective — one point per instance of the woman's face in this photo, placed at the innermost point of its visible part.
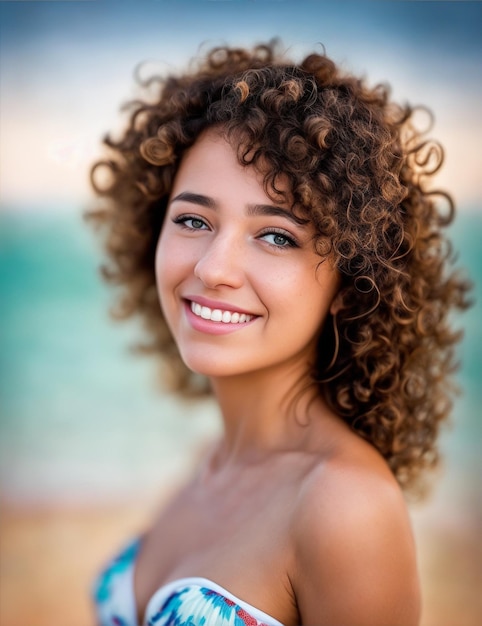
(240, 284)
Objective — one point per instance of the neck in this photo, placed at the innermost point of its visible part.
(263, 412)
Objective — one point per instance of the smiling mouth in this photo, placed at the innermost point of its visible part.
(218, 315)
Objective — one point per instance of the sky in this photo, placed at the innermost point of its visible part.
(67, 66)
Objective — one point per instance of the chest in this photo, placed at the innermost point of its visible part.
(237, 535)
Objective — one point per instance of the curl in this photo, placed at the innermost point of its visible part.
(355, 164)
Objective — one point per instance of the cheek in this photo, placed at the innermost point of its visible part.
(298, 285)
(174, 266)
(167, 264)
(160, 263)
(306, 295)
(169, 259)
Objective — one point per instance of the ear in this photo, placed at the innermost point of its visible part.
(336, 303)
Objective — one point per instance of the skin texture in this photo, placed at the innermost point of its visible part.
(292, 511)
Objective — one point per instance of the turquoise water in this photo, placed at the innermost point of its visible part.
(81, 418)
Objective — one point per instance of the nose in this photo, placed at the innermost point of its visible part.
(221, 263)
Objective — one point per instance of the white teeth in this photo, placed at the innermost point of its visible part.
(217, 315)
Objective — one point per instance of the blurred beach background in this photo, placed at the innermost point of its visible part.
(89, 445)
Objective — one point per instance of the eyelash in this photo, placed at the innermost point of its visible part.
(183, 219)
(290, 240)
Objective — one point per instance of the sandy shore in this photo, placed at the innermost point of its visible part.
(49, 558)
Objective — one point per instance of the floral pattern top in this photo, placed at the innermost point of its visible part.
(183, 602)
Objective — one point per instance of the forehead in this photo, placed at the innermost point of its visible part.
(212, 164)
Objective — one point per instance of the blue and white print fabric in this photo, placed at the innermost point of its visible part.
(184, 602)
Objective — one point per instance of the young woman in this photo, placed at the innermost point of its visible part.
(280, 213)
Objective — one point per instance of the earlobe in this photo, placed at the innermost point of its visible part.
(336, 304)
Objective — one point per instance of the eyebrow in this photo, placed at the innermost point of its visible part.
(270, 209)
(252, 209)
(196, 198)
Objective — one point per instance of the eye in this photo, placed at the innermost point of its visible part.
(279, 239)
(191, 222)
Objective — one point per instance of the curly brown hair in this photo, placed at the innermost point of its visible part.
(357, 168)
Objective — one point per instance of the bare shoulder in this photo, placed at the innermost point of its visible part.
(355, 560)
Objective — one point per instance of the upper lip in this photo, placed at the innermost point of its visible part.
(213, 304)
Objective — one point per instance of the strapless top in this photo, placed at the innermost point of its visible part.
(183, 602)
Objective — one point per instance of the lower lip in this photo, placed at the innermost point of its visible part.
(210, 327)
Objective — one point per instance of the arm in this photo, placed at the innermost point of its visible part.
(356, 562)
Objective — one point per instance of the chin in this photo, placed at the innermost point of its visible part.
(211, 370)
(212, 365)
